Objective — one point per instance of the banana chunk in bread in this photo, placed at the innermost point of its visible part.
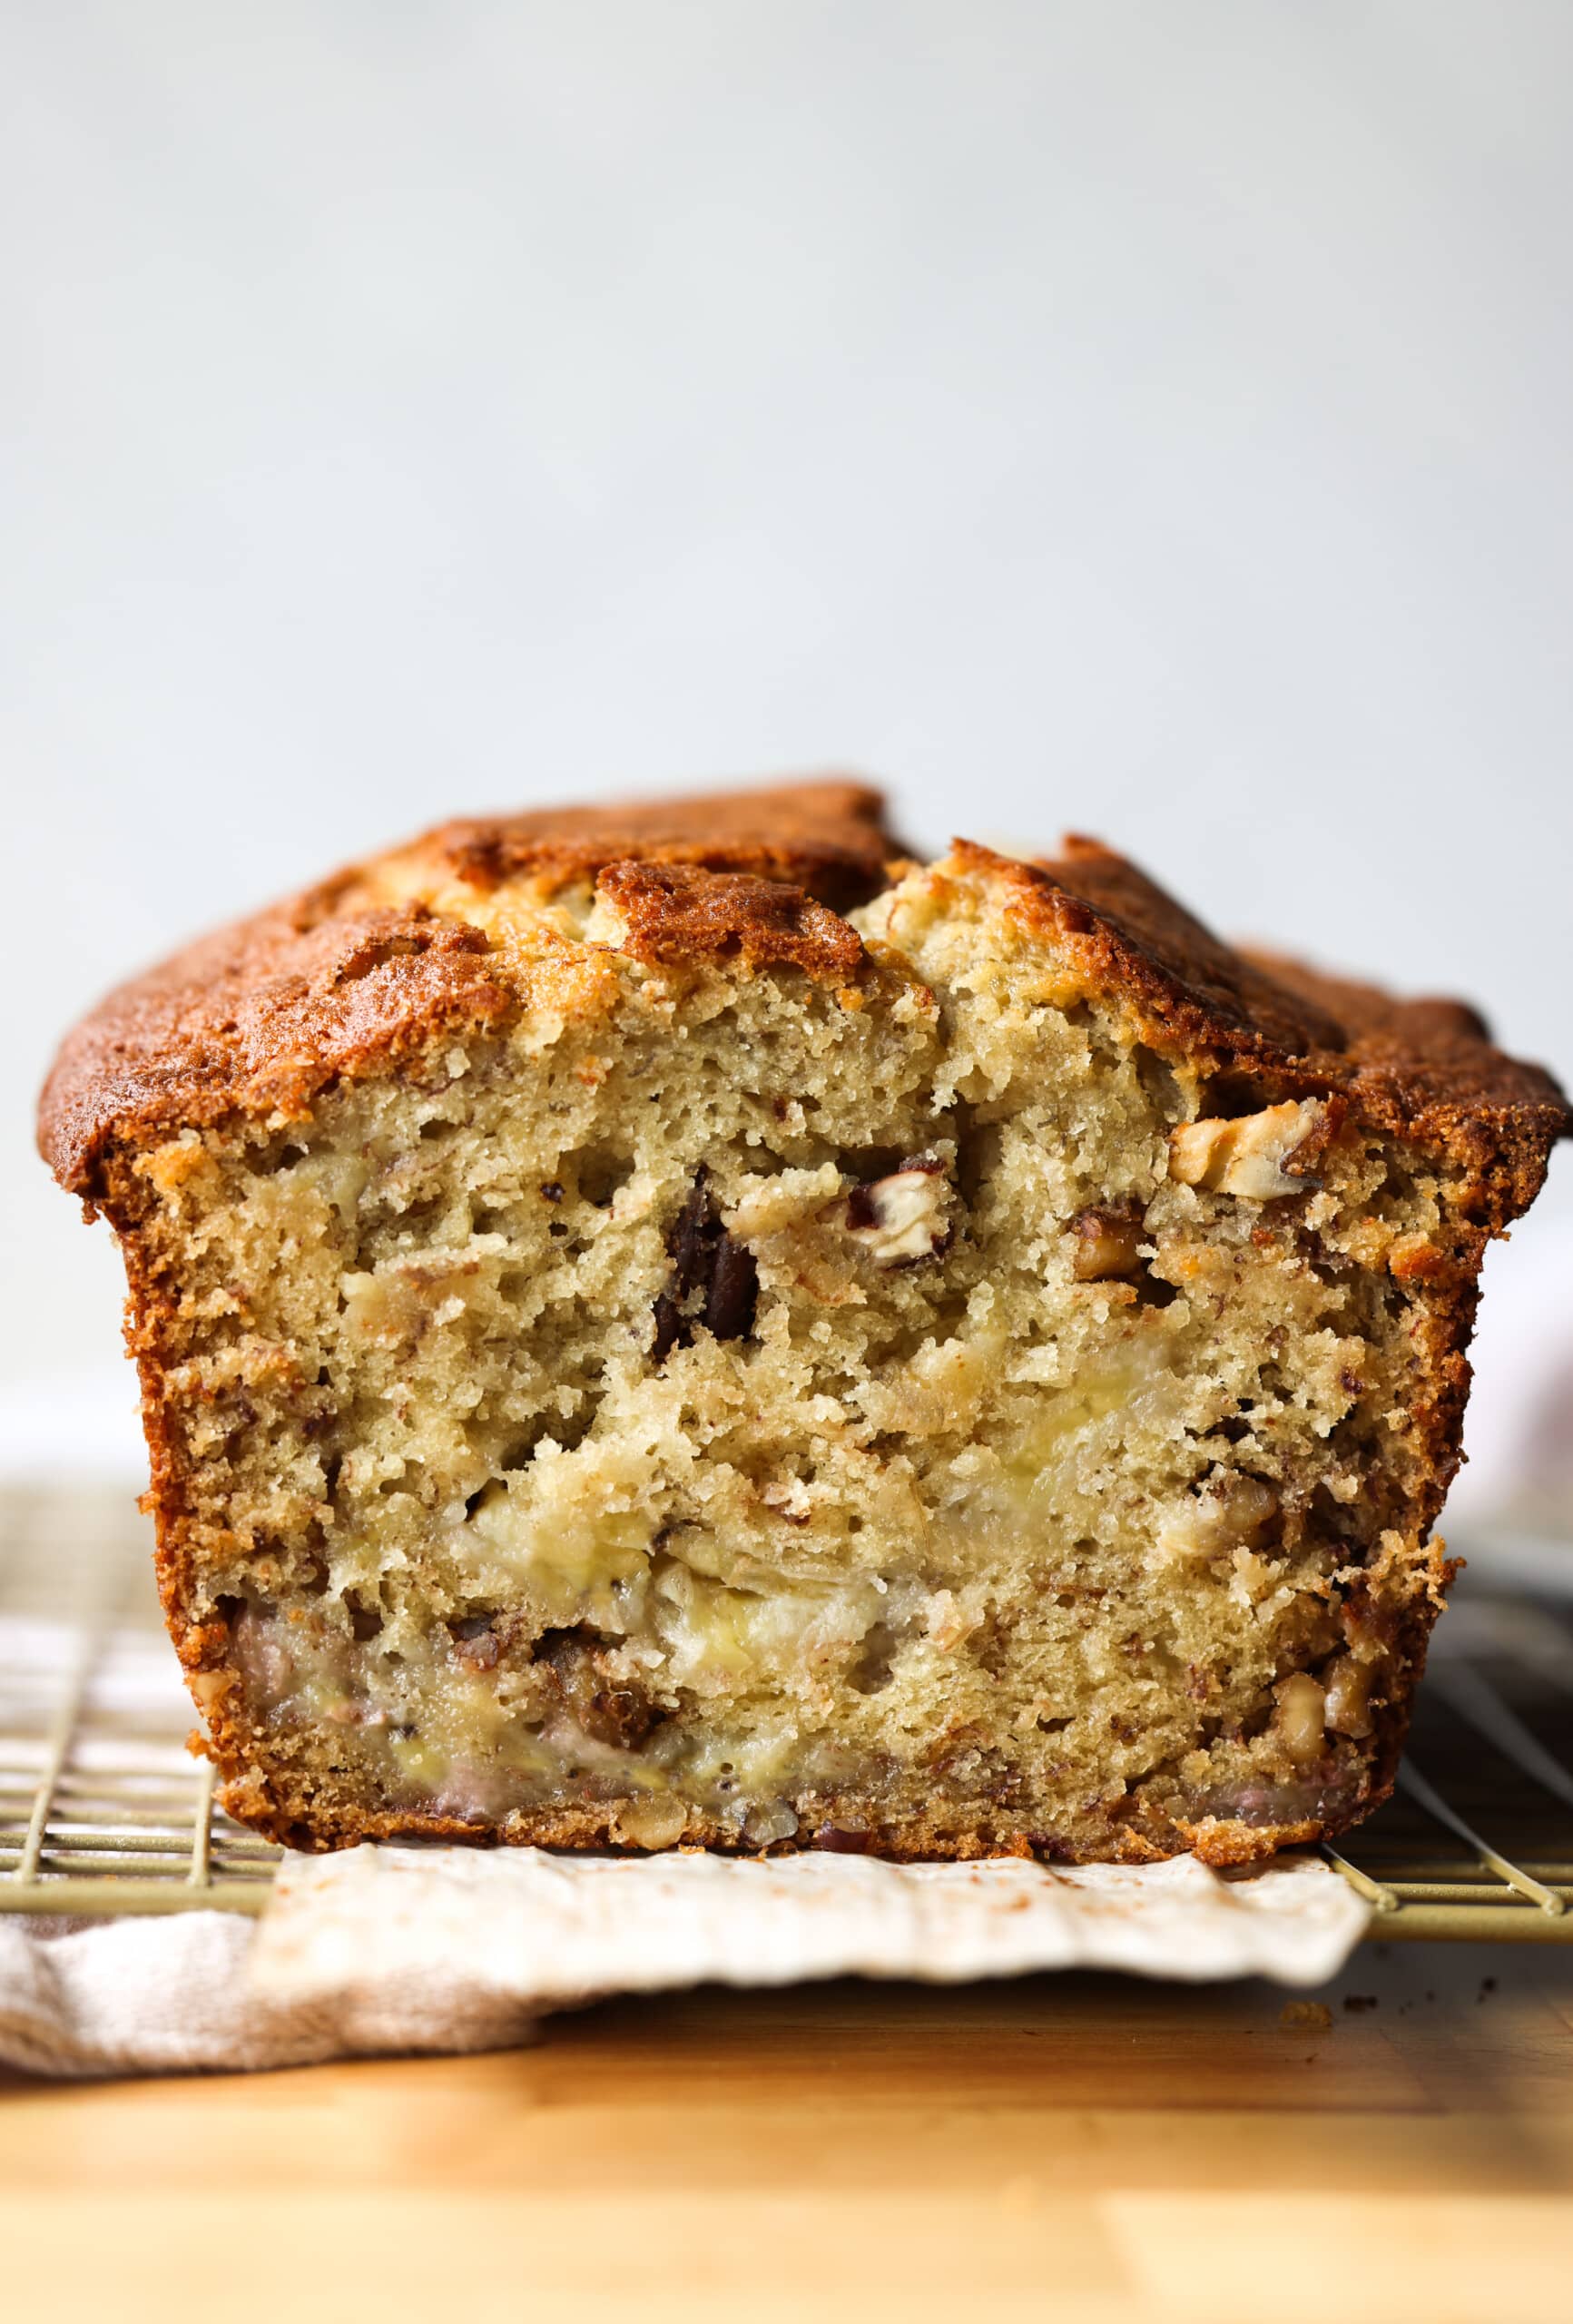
(681, 1325)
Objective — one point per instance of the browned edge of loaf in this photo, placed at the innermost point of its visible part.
(329, 986)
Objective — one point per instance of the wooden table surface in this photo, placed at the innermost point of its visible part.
(1074, 2146)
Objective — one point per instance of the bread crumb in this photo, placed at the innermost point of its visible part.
(1306, 2017)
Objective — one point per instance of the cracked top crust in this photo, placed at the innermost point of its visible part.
(826, 838)
(373, 966)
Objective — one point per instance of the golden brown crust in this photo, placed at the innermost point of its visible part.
(334, 983)
(1425, 1070)
(1137, 932)
(256, 1018)
(263, 1015)
(826, 838)
(847, 1827)
(677, 912)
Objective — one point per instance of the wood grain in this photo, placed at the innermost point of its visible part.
(1076, 2146)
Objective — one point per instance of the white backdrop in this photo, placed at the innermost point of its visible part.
(1150, 417)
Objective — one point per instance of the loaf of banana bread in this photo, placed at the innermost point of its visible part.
(680, 1323)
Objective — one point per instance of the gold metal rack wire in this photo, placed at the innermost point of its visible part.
(103, 1811)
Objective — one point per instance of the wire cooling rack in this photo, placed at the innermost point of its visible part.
(104, 1811)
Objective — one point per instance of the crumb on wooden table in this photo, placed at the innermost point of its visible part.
(1306, 2017)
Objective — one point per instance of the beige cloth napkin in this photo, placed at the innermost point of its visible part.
(393, 1949)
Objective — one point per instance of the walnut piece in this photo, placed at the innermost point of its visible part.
(604, 1703)
(1349, 1696)
(1300, 1722)
(1108, 1243)
(1252, 1156)
(1233, 1514)
(652, 1822)
(901, 1218)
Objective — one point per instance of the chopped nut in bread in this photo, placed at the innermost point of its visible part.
(1108, 1243)
(902, 1218)
(1254, 1157)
